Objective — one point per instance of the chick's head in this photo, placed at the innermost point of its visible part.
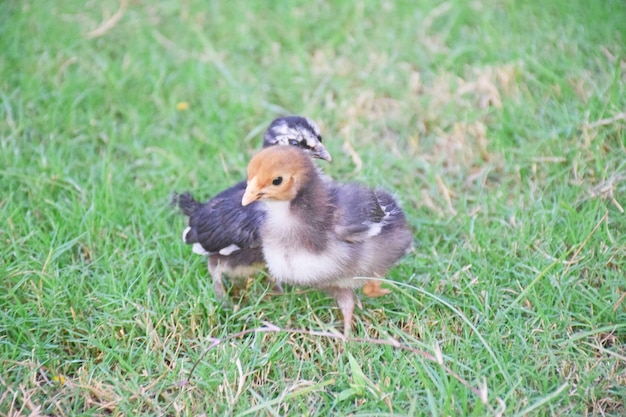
(297, 131)
(277, 173)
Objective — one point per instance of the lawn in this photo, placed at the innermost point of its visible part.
(499, 124)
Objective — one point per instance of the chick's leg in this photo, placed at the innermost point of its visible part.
(216, 270)
(277, 287)
(345, 300)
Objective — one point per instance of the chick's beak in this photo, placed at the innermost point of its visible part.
(320, 152)
(251, 194)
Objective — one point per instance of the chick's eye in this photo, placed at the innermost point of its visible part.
(293, 142)
(277, 181)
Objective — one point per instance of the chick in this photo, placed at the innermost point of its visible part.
(227, 232)
(322, 234)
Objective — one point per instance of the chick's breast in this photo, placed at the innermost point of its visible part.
(301, 253)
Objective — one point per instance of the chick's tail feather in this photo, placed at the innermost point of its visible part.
(186, 203)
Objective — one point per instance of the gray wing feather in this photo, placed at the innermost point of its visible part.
(370, 211)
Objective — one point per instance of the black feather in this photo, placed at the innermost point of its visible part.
(186, 203)
(222, 221)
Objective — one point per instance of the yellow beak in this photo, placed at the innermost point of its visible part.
(251, 194)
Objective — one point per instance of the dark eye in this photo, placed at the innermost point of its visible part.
(319, 137)
(293, 142)
(277, 181)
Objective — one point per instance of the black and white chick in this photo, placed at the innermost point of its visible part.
(227, 232)
(320, 233)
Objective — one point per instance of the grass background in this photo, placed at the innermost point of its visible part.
(498, 123)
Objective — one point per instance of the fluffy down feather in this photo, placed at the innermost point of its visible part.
(322, 234)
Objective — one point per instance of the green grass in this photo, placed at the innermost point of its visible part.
(499, 124)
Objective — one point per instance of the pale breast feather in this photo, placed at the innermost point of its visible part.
(287, 256)
(288, 263)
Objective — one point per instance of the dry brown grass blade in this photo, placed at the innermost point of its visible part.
(611, 58)
(110, 23)
(445, 191)
(606, 190)
(590, 131)
(356, 159)
(606, 121)
(619, 302)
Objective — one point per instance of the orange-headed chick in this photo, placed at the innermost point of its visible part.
(322, 234)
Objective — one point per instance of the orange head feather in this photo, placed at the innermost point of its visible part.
(277, 173)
